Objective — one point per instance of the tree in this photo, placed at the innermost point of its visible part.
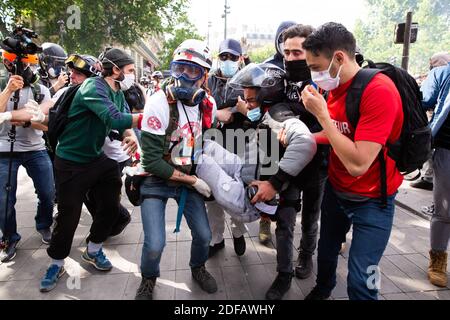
(184, 31)
(102, 22)
(259, 55)
(375, 34)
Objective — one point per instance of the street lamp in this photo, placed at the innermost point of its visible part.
(209, 27)
(224, 16)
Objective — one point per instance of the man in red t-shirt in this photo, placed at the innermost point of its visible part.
(353, 194)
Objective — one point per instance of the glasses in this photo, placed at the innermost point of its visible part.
(75, 61)
(228, 56)
(187, 70)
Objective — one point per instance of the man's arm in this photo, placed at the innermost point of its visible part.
(14, 83)
(357, 157)
(430, 90)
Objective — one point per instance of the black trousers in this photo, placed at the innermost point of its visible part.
(73, 181)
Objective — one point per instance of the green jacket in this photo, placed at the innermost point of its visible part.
(98, 109)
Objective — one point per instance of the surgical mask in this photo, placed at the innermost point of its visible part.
(127, 81)
(229, 68)
(254, 114)
(324, 80)
(297, 70)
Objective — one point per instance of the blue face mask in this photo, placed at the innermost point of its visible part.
(229, 68)
(254, 114)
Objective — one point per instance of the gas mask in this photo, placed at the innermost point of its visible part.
(186, 92)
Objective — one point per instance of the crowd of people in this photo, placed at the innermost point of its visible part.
(252, 141)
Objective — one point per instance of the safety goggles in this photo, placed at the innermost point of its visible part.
(228, 56)
(75, 61)
(187, 70)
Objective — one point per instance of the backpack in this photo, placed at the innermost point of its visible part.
(58, 116)
(135, 98)
(413, 148)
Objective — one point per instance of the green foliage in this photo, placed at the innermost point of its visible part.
(103, 22)
(258, 55)
(184, 31)
(375, 33)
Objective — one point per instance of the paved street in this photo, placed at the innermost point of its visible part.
(403, 265)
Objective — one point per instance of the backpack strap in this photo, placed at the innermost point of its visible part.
(352, 103)
(174, 117)
(355, 92)
(38, 96)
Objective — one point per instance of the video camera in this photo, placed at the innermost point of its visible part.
(20, 42)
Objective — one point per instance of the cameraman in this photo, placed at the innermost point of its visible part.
(29, 151)
(97, 108)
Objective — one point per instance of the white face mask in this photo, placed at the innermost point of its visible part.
(127, 82)
(324, 80)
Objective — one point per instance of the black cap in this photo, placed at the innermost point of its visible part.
(116, 56)
(230, 46)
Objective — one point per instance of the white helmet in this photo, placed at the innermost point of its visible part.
(195, 51)
(157, 74)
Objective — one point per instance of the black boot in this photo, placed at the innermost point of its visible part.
(239, 245)
(216, 248)
(280, 286)
(316, 294)
(145, 290)
(305, 265)
(204, 279)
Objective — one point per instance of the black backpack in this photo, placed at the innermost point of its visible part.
(135, 98)
(413, 148)
(58, 116)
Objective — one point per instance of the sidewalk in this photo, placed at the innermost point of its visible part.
(403, 265)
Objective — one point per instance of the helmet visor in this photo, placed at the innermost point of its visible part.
(250, 77)
(75, 61)
(187, 70)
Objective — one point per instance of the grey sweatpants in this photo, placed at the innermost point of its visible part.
(221, 170)
(440, 222)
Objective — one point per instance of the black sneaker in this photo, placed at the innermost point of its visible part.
(316, 294)
(305, 265)
(216, 248)
(239, 245)
(204, 279)
(145, 290)
(422, 184)
(9, 251)
(46, 235)
(280, 286)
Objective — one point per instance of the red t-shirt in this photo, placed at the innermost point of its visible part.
(381, 120)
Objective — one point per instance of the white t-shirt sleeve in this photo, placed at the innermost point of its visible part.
(156, 114)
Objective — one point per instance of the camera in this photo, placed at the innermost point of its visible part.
(20, 42)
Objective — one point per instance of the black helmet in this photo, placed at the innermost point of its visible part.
(86, 64)
(359, 56)
(51, 60)
(267, 77)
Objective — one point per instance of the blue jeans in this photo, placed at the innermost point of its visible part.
(155, 193)
(372, 226)
(40, 170)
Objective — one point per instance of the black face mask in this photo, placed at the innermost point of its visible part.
(29, 77)
(297, 70)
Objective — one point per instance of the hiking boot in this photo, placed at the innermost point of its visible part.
(145, 290)
(280, 286)
(98, 260)
(315, 294)
(305, 265)
(9, 251)
(239, 245)
(437, 270)
(204, 279)
(216, 248)
(51, 277)
(422, 184)
(46, 235)
(265, 236)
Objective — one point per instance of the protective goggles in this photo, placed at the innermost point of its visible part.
(187, 70)
(75, 61)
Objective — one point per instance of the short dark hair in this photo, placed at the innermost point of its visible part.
(297, 30)
(107, 72)
(329, 38)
